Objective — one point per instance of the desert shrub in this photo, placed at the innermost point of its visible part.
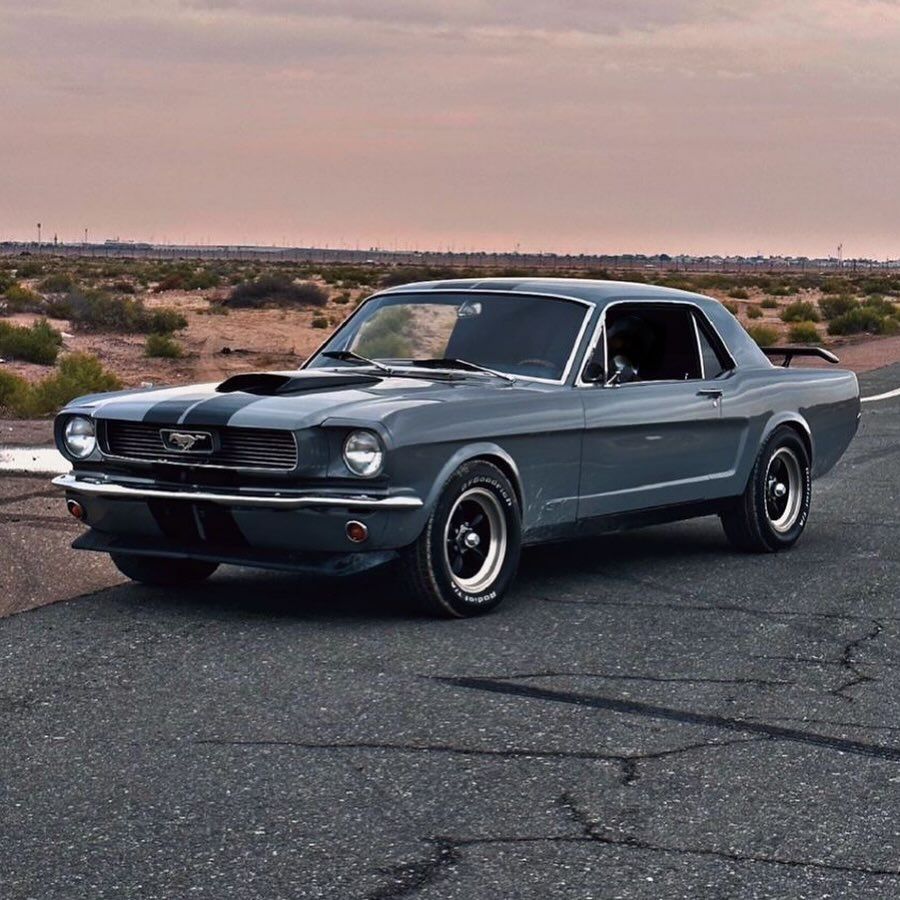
(164, 321)
(800, 311)
(15, 393)
(764, 335)
(768, 303)
(320, 322)
(876, 285)
(56, 283)
(343, 298)
(77, 374)
(834, 305)
(739, 293)
(730, 306)
(277, 290)
(164, 346)
(754, 312)
(6, 280)
(38, 344)
(881, 305)
(187, 280)
(803, 333)
(863, 320)
(20, 299)
(30, 269)
(95, 311)
(124, 287)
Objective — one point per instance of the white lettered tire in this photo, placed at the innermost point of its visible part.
(467, 556)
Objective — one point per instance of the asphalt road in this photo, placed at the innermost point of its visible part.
(649, 715)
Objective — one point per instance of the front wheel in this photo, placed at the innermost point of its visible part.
(161, 571)
(468, 553)
(773, 510)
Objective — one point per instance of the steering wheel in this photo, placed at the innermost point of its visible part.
(540, 363)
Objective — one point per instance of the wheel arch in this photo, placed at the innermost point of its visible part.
(486, 451)
(797, 423)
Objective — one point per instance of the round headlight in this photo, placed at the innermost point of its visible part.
(363, 453)
(79, 437)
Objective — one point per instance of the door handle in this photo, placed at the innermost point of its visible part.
(712, 393)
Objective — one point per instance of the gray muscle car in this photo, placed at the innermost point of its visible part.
(446, 424)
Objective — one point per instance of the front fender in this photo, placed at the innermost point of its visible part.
(464, 454)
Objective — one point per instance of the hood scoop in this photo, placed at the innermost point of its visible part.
(271, 384)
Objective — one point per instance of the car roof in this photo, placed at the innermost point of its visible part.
(593, 290)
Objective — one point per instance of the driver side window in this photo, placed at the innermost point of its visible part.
(646, 342)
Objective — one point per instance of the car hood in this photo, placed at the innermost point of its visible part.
(291, 400)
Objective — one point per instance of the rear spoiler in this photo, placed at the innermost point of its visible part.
(790, 352)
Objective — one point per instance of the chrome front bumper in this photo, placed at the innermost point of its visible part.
(274, 500)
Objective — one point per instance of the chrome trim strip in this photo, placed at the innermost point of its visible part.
(663, 301)
(392, 292)
(274, 501)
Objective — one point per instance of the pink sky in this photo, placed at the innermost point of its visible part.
(630, 125)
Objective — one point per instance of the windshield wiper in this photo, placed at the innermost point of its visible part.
(451, 363)
(350, 356)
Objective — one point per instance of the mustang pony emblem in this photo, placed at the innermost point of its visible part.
(187, 441)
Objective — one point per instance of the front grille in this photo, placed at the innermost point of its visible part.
(244, 448)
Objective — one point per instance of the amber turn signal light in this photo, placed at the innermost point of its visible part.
(357, 532)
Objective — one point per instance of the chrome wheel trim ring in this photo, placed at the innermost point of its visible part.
(784, 489)
(483, 559)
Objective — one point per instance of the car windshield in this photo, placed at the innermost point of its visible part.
(517, 334)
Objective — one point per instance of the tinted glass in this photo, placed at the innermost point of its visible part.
(656, 343)
(713, 364)
(522, 335)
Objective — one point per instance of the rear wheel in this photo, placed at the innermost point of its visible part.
(467, 555)
(161, 571)
(773, 510)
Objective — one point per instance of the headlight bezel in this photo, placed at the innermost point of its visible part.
(89, 436)
(362, 468)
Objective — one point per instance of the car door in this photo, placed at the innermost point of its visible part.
(660, 439)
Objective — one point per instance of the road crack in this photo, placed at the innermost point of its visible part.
(594, 831)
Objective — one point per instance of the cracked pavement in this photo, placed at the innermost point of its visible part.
(648, 715)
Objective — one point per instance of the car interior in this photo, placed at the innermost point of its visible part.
(656, 343)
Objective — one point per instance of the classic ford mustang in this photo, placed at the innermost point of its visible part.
(446, 424)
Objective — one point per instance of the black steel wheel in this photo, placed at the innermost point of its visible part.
(467, 555)
(773, 510)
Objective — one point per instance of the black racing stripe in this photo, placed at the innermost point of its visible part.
(168, 412)
(219, 410)
(176, 520)
(219, 526)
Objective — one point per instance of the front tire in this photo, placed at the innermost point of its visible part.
(773, 510)
(161, 571)
(468, 553)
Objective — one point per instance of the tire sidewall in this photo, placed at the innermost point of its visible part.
(783, 437)
(457, 601)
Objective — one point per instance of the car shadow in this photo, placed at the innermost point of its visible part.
(378, 595)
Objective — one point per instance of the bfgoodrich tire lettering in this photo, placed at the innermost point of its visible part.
(467, 555)
(773, 510)
(157, 570)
